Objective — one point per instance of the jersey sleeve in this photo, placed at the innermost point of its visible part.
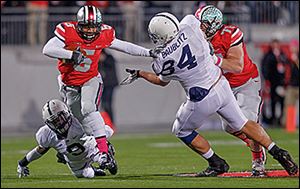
(156, 67)
(109, 33)
(236, 37)
(44, 137)
(60, 31)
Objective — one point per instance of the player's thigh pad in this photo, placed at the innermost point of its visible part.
(184, 112)
(249, 99)
(91, 93)
(192, 115)
(229, 108)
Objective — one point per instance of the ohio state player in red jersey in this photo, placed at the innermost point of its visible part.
(240, 71)
(78, 45)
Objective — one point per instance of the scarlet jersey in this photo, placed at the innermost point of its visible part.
(227, 37)
(77, 75)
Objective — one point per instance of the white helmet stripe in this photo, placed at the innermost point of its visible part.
(95, 15)
(86, 13)
(163, 15)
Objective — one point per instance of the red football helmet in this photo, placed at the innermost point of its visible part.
(89, 22)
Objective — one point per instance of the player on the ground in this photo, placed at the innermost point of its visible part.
(64, 133)
(78, 45)
(187, 58)
(240, 71)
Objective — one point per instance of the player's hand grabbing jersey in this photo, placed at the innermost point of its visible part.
(76, 75)
(229, 36)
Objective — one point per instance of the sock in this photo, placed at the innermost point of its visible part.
(214, 158)
(257, 155)
(208, 154)
(101, 144)
(274, 150)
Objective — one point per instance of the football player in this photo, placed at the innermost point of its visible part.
(64, 133)
(78, 45)
(188, 58)
(239, 70)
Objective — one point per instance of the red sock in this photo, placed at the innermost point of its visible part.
(243, 137)
(257, 155)
(101, 144)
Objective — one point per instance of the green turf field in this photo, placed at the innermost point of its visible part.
(145, 161)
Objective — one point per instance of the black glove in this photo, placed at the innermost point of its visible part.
(77, 57)
(60, 158)
(134, 75)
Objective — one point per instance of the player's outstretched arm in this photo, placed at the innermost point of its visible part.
(148, 76)
(32, 155)
(133, 49)
(54, 48)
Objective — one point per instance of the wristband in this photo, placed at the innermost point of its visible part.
(218, 61)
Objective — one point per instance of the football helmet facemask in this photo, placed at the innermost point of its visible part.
(57, 117)
(89, 20)
(211, 19)
(162, 28)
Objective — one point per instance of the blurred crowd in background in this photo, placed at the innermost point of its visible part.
(279, 64)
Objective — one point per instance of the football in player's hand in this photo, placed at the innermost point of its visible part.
(71, 48)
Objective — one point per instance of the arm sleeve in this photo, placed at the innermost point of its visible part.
(129, 48)
(54, 48)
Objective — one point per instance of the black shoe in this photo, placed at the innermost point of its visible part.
(112, 163)
(215, 169)
(98, 171)
(284, 158)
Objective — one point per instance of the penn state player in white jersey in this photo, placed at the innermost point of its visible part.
(187, 58)
(64, 133)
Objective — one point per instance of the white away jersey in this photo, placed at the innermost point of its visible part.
(188, 58)
(72, 147)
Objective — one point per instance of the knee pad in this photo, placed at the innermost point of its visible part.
(189, 138)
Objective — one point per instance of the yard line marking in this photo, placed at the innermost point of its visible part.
(212, 142)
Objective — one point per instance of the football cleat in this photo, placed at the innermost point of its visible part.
(284, 158)
(215, 169)
(112, 163)
(103, 160)
(98, 171)
(258, 167)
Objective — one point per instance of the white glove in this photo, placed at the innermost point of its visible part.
(90, 145)
(154, 53)
(22, 171)
(134, 75)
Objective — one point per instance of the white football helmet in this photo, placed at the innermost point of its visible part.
(89, 17)
(163, 27)
(57, 117)
(211, 19)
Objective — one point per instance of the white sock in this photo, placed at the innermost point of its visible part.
(271, 146)
(208, 154)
